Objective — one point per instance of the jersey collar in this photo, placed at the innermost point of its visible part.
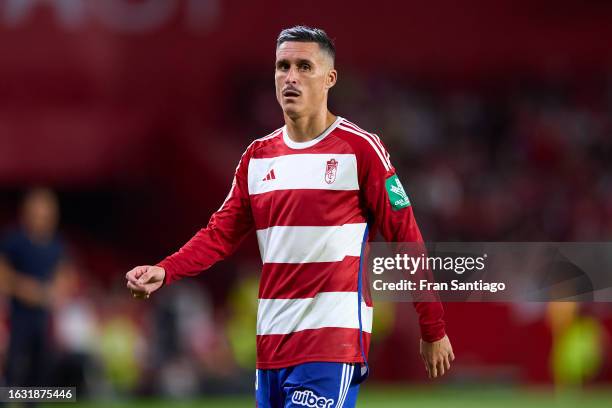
(304, 145)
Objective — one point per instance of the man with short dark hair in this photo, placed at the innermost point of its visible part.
(30, 257)
(314, 190)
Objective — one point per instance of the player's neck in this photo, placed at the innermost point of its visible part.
(306, 128)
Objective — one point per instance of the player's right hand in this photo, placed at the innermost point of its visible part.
(144, 280)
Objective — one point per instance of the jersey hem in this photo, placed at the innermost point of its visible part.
(269, 365)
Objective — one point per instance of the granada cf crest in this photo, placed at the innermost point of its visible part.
(330, 171)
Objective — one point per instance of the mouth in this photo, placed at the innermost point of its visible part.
(291, 93)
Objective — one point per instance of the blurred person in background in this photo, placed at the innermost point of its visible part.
(314, 190)
(30, 257)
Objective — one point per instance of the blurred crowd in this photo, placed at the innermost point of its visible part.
(521, 161)
(529, 160)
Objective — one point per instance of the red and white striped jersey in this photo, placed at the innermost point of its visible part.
(309, 204)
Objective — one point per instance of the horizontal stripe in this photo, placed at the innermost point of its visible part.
(303, 171)
(329, 344)
(326, 309)
(284, 244)
(291, 281)
(306, 207)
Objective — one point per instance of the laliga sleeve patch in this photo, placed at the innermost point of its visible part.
(397, 196)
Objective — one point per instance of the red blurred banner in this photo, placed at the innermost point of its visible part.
(85, 84)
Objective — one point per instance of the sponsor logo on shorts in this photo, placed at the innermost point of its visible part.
(309, 399)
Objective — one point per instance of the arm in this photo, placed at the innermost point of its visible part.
(22, 287)
(16, 284)
(391, 210)
(220, 238)
(6, 277)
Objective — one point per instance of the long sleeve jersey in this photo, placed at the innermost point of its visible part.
(311, 204)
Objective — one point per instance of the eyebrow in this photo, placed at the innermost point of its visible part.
(299, 61)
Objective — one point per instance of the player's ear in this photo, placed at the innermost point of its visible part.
(331, 79)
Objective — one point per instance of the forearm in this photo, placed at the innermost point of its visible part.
(6, 277)
(406, 237)
(204, 249)
(27, 290)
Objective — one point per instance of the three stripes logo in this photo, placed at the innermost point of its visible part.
(269, 176)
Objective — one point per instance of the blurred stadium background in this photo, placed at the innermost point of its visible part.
(497, 115)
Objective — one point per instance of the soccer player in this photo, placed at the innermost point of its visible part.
(313, 191)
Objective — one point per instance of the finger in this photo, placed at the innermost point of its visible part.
(446, 363)
(426, 365)
(433, 370)
(140, 270)
(144, 278)
(134, 274)
(130, 275)
(136, 288)
(440, 367)
(452, 355)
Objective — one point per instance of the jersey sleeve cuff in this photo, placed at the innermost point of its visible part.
(168, 277)
(433, 333)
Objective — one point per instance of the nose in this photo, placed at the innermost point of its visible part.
(291, 77)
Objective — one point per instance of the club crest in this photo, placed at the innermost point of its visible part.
(331, 170)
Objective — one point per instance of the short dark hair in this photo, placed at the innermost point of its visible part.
(302, 33)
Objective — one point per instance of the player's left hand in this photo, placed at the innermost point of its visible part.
(437, 356)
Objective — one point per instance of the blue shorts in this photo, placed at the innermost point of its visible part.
(313, 385)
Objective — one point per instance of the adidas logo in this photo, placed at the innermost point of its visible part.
(269, 176)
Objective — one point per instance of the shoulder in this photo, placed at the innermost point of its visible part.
(365, 144)
(261, 142)
(258, 144)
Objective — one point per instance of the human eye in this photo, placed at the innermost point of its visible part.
(304, 66)
(282, 66)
